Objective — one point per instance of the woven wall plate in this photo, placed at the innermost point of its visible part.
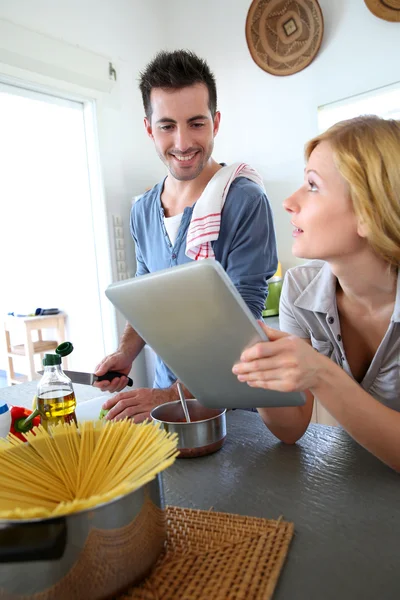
(284, 36)
(389, 10)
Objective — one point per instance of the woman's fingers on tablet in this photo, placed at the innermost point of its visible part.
(290, 360)
(273, 334)
(264, 349)
(258, 366)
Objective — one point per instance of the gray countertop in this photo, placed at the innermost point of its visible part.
(344, 503)
(23, 394)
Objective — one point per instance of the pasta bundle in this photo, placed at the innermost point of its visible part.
(69, 469)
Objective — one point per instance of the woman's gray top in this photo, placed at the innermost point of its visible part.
(308, 309)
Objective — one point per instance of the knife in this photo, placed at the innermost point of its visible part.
(90, 378)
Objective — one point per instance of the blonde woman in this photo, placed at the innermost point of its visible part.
(341, 314)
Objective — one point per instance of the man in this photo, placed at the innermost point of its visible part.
(180, 103)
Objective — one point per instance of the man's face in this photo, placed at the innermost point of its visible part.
(182, 129)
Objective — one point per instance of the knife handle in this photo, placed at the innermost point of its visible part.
(109, 376)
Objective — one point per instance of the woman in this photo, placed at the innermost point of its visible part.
(342, 313)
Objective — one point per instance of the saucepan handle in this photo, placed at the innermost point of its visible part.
(32, 541)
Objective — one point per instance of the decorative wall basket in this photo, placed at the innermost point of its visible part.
(284, 36)
(389, 10)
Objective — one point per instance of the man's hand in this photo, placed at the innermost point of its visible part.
(286, 363)
(137, 404)
(118, 361)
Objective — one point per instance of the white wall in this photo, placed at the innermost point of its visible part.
(267, 119)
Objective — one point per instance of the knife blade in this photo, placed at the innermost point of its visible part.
(91, 378)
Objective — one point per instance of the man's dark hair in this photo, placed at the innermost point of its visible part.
(176, 70)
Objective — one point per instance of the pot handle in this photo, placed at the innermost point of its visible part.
(32, 541)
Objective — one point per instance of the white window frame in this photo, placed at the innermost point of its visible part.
(383, 101)
(94, 102)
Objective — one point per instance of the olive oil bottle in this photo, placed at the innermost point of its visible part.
(55, 394)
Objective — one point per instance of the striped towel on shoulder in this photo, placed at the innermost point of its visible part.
(206, 218)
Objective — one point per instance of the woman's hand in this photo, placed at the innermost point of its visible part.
(286, 363)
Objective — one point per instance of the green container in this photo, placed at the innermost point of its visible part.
(274, 294)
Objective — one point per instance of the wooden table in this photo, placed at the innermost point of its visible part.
(345, 504)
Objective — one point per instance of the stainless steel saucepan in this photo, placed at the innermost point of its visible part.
(205, 433)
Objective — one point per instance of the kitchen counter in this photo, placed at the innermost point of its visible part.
(344, 503)
(23, 393)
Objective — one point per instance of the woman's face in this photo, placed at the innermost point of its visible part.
(321, 211)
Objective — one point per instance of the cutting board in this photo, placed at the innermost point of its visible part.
(89, 410)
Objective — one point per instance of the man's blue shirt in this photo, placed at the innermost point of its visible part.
(246, 246)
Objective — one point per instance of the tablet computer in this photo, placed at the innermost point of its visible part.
(196, 321)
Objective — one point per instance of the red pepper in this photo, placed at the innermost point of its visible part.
(18, 416)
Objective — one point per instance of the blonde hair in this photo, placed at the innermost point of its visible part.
(366, 152)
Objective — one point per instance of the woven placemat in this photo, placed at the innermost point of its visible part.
(216, 556)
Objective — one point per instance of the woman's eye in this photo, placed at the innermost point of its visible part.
(312, 186)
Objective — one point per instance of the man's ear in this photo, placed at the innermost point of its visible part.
(217, 120)
(147, 126)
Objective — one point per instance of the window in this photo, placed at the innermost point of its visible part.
(384, 102)
(50, 246)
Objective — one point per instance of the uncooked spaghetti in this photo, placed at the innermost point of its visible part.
(72, 468)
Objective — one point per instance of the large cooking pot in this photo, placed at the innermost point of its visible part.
(89, 555)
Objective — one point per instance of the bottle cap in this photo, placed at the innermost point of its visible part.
(51, 359)
(64, 349)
